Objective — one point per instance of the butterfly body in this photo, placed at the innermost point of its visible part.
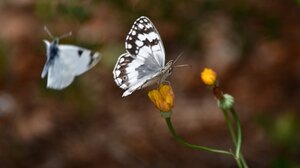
(53, 49)
(160, 76)
(65, 62)
(144, 62)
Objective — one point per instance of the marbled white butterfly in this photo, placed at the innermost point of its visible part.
(144, 62)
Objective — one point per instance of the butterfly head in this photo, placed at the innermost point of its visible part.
(168, 69)
(56, 39)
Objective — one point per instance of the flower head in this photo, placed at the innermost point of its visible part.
(226, 102)
(208, 76)
(162, 98)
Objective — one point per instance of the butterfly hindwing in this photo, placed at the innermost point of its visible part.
(131, 74)
(59, 75)
(122, 71)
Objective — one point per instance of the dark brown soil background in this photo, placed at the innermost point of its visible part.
(253, 45)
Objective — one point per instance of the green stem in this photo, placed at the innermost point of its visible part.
(233, 137)
(239, 138)
(243, 161)
(239, 163)
(196, 147)
(239, 133)
(237, 142)
(230, 127)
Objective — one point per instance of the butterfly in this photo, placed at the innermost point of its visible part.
(64, 62)
(143, 64)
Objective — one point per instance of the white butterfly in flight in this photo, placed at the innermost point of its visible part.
(144, 62)
(64, 62)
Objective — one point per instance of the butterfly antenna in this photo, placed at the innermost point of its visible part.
(48, 32)
(179, 66)
(178, 57)
(183, 65)
(65, 35)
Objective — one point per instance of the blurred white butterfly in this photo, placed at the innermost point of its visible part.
(64, 62)
(144, 62)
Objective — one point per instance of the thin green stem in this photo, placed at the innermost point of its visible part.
(239, 133)
(243, 161)
(196, 147)
(230, 127)
(239, 160)
(239, 138)
(239, 163)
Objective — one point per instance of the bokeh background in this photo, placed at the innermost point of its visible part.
(253, 45)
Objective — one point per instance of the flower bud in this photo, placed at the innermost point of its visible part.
(162, 98)
(226, 103)
(208, 76)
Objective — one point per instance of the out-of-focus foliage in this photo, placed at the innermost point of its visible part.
(49, 10)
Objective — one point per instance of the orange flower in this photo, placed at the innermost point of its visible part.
(208, 76)
(162, 98)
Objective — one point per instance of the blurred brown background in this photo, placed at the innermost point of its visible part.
(253, 45)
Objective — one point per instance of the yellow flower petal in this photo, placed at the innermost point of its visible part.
(208, 76)
(168, 95)
(155, 96)
(162, 98)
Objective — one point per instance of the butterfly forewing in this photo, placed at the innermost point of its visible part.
(144, 60)
(144, 38)
(78, 59)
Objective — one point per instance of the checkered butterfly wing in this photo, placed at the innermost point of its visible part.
(144, 59)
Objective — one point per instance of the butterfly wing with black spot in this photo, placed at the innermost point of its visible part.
(78, 59)
(70, 61)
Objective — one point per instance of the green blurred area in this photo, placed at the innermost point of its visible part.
(49, 10)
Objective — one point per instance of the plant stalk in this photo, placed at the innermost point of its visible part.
(196, 147)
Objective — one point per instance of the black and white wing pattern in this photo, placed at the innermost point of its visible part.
(64, 62)
(144, 59)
